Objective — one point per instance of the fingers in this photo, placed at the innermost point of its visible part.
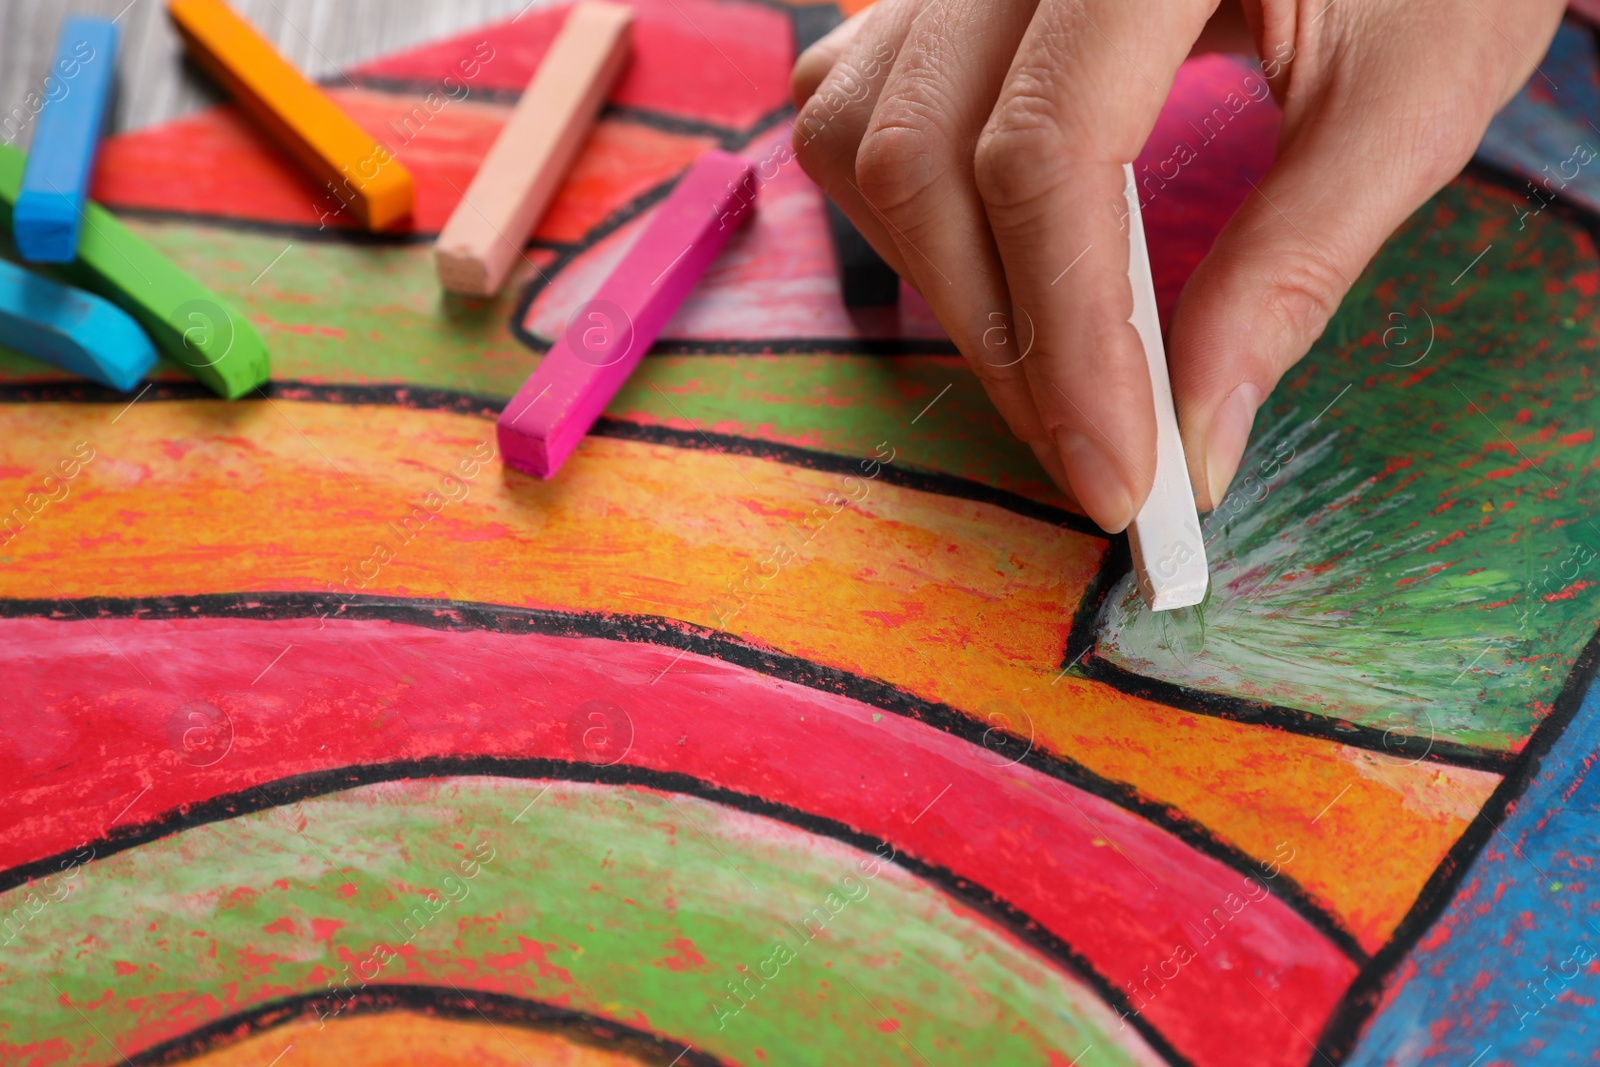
(845, 73)
(914, 171)
(1081, 97)
(815, 62)
(1373, 127)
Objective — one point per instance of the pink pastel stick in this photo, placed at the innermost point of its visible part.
(606, 337)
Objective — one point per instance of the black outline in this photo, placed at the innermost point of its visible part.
(423, 398)
(300, 787)
(937, 482)
(662, 121)
(1361, 1001)
(1080, 654)
(1089, 664)
(806, 346)
(470, 1005)
(727, 139)
(1292, 720)
(670, 633)
(1115, 561)
(597, 233)
(1341, 1035)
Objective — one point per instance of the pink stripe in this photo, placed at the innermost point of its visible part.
(233, 704)
(606, 337)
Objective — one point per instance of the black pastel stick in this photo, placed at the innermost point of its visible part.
(867, 281)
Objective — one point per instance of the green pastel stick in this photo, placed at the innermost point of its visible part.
(186, 321)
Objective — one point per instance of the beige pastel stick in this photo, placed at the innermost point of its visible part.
(526, 165)
(1169, 554)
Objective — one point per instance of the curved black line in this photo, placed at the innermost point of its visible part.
(396, 395)
(302, 232)
(1361, 1001)
(1083, 635)
(1081, 657)
(800, 346)
(950, 485)
(887, 346)
(671, 633)
(728, 140)
(423, 398)
(1294, 720)
(302, 787)
(663, 121)
(578, 1027)
(623, 215)
(1116, 561)
(1338, 1038)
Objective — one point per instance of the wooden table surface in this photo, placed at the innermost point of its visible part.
(155, 81)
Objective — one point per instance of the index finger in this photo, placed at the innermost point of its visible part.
(1081, 97)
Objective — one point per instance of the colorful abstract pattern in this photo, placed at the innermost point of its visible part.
(799, 720)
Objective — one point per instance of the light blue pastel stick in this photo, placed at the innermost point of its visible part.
(55, 186)
(71, 329)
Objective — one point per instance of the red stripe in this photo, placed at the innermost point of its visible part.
(216, 163)
(716, 62)
(302, 695)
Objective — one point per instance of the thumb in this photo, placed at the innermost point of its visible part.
(1371, 130)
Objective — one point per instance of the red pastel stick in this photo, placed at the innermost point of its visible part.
(606, 337)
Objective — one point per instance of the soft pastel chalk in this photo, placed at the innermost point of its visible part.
(535, 149)
(606, 337)
(865, 280)
(189, 324)
(1169, 554)
(55, 186)
(363, 174)
(71, 329)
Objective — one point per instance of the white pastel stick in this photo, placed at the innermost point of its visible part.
(1169, 555)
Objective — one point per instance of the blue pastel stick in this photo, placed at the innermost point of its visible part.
(55, 186)
(71, 329)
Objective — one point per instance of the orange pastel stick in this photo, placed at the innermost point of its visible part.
(363, 174)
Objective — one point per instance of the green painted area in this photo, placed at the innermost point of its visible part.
(186, 322)
(347, 311)
(626, 903)
(1420, 556)
(844, 404)
(343, 312)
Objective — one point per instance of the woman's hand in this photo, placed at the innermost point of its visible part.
(978, 144)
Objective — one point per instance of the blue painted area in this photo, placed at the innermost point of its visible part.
(1511, 971)
(1568, 76)
(71, 329)
(55, 185)
(1548, 133)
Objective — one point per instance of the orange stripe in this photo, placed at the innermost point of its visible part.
(394, 1039)
(955, 601)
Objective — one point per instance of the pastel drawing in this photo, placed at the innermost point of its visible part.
(799, 719)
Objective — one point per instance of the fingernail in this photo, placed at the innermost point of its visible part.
(1230, 432)
(1095, 481)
